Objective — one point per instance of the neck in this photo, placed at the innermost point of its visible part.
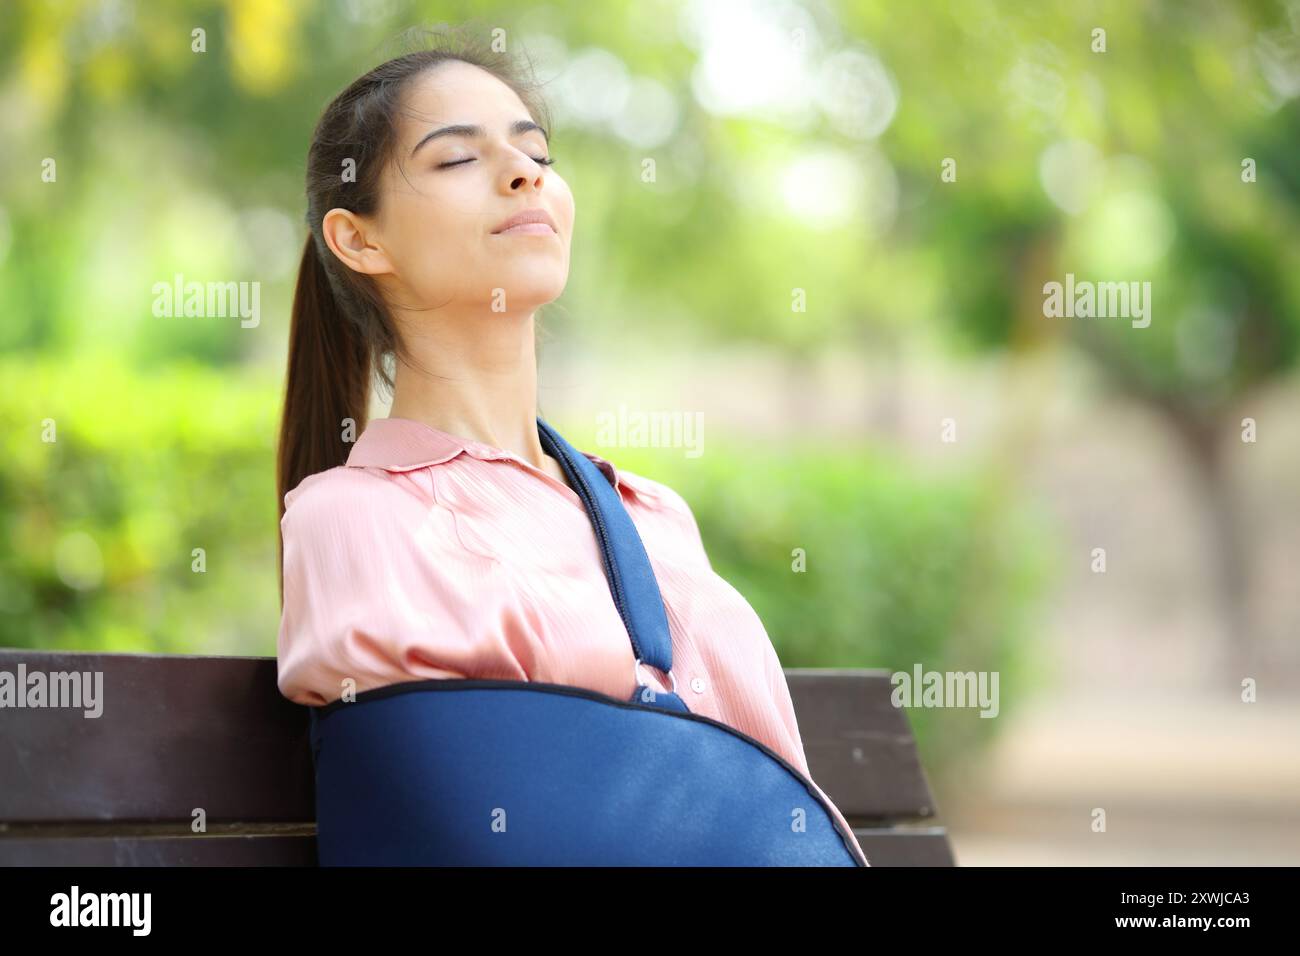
(473, 375)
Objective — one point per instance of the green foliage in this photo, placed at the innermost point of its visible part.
(99, 524)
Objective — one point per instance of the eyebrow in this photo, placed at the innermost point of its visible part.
(464, 129)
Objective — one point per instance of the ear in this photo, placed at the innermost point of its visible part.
(350, 237)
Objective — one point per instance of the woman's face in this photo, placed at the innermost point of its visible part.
(433, 242)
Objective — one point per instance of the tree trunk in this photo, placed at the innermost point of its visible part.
(1229, 554)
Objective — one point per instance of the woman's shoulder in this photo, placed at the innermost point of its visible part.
(651, 491)
(347, 494)
(665, 499)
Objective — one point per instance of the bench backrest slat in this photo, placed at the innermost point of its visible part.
(180, 733)
(176, 733)
(859, 746)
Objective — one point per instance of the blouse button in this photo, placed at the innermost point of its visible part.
(697, 685)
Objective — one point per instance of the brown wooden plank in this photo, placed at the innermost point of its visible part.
(109, 844)
(883, 848)
(860, 747)
(176, 733)
(160, 851)
(918, 846)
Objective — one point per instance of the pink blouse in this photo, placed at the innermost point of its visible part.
(429, 555)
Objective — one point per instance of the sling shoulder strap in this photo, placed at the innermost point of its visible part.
(627, 566)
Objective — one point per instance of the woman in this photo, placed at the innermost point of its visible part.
(444, 542)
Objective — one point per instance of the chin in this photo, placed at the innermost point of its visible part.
(535, 287)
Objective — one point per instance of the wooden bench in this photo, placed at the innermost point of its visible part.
(179, 733)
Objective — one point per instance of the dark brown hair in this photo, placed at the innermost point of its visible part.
(341, 332)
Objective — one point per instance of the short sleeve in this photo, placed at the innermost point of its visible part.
(378, 589)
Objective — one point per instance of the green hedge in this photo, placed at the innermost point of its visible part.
(100, 525)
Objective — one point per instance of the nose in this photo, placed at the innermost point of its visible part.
(521, 172)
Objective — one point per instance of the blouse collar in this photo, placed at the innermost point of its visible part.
(404, 444)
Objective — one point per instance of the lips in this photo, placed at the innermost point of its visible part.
(528, 217)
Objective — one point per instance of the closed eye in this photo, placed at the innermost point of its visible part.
(545, 161)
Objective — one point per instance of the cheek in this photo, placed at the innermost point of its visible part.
(564, 206)
(437, 236)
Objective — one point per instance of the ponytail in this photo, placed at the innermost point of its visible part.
(328, 380)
